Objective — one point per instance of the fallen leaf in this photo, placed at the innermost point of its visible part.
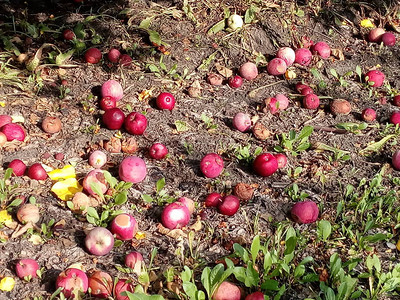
(224, 71)
(140, 235)
(21, 230)
(197, 225)
(66, 172)
(66, 189)
(7, 284)
(144, 95)
(36, 239)
(5, 217)
(174, 233)
(4, 236)
(367, 23)
(338, 54)
(290, 74)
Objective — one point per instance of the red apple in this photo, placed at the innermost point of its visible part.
(99, 241)
(124, 226)
(27, 268)
(73, 282)
(265, 164)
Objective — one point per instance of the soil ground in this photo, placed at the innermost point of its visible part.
(183, 28)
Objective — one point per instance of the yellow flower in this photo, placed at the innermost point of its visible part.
(67, 172)
(5, 217)
(7, 284)
(66, 189)
(2, 103)
(366, 23)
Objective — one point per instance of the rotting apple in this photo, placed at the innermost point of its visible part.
(189, 203)
(51, 124)
(100, 284)
(134, 260)
(28, 213)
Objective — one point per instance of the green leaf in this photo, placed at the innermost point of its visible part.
(15, 202)
(205, 280)
(63, 57)
(181, 126)
(95, 186)
(255, 248)
(375, 147)
(241, 252)
(141, 296)
(79, 31)
(335, 265)
(324, 229)
(7, 174)
(334, 73)
(240, 274)
(250, 14)
(110, 179)
(121, 198)
(160, 184)
(154, 37)
(305, 132)
(190, 289)
(270, 285)
(252, 276)
(153, 68)
(206, 62)
(147, 198)
(92, 212)
(186, 274)
(299, 271)
(145, 24)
